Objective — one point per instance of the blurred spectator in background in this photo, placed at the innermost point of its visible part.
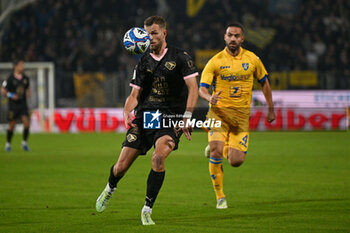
(87, 35)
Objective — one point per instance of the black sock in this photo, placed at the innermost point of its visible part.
(113, 180)
(25, 134)
(154, 183)
(9, 136)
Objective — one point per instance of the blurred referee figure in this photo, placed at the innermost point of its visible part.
(164, 82)
(16, 88)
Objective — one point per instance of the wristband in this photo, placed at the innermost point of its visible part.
(10, 95)
(187, 114)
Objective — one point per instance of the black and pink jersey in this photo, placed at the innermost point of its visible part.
(162, 80)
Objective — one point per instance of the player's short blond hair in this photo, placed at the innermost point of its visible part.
(155, 20)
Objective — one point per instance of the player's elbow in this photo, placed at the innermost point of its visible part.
(265, 85)
(192, 86)
(194, 93)
(132, 99)
(202, 91)
(194, 90)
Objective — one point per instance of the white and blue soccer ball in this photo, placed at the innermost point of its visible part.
(137, 40)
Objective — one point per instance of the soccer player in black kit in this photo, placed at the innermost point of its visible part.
(164, 82)
(16, 88)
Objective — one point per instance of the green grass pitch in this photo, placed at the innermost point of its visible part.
(290, 182)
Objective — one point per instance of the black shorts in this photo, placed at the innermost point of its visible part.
(17, 112)
(144, 139)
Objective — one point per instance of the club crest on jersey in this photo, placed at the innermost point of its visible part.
(131, 137)
(170, 65)
(245, 66)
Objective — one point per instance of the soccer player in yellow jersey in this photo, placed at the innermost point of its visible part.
(231, 72)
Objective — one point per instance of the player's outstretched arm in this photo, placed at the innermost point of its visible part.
(191, 103)
(192, 93)
(266, 89)
(130, 104)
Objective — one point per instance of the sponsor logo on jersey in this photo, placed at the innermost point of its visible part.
(234, 77)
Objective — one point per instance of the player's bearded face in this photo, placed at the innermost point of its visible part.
(233, 38)
(157, 35)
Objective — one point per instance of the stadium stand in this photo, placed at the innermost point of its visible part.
(85, 36)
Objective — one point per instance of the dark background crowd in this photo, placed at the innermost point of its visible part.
(84, 36)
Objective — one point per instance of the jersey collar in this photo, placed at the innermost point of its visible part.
(239, 55)
(159, 58)
(18, 76)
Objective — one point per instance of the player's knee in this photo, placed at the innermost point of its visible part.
(170, 144)
(216, 152)
(157, 162)
(165, 144)
(236, 161)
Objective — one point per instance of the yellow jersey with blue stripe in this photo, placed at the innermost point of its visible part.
(234, 76)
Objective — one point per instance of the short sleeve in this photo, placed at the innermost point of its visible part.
(188, 68)
(208, 74)
(138, 76)
(4, 84)
(7, 84)
(260, 72)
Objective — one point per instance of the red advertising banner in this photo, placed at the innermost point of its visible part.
(300, 119)
(111, 120)
(295, 110)
(81, 120)
(303, 110)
